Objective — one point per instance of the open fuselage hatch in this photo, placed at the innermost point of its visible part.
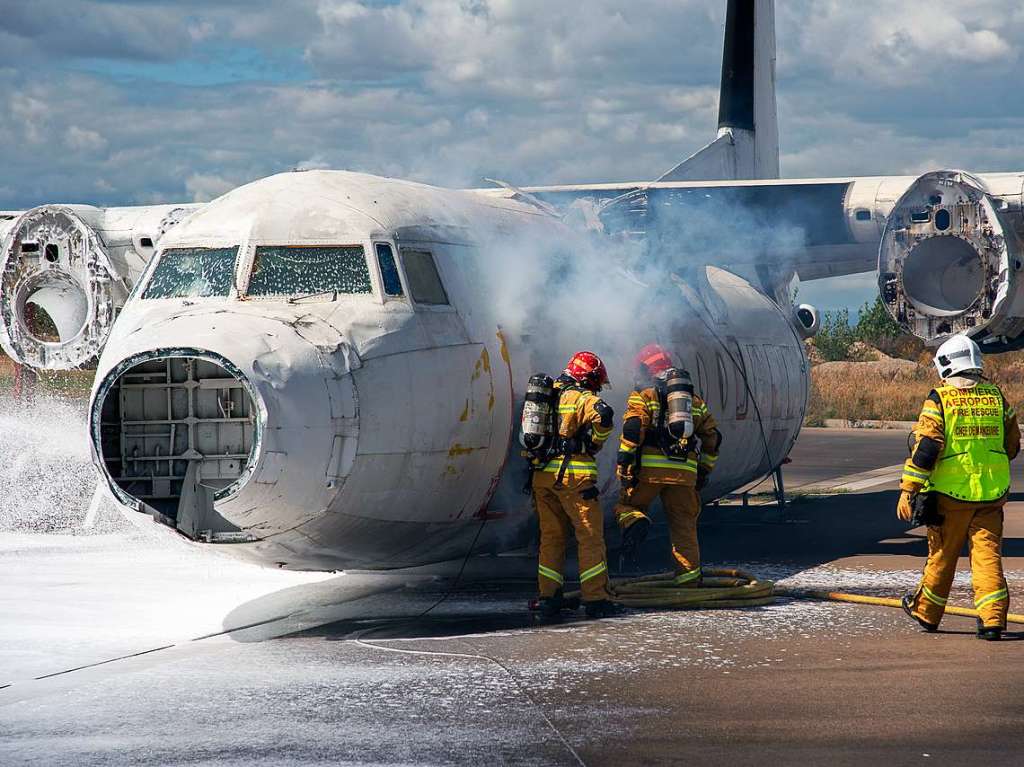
(177, 431)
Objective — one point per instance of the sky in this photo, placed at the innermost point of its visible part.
(144, 101)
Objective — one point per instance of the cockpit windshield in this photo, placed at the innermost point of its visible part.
(301, 271)
(193, 273)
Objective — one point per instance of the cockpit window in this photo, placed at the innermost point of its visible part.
(299, 271)
(424, 281)
(193, 273)
(389, 271)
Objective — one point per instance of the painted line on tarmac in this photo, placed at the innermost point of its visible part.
(847, 483)
(862, 481)
(868, 479)
(850, 483)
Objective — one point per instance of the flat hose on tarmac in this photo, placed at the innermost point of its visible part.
(719, 588)
(861, 599)
(729, 588)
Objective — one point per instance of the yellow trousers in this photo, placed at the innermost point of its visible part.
(575, 507)
(981, 525)
(682, 508)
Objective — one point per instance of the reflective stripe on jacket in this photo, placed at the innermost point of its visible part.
(654, 464)
(578, 409)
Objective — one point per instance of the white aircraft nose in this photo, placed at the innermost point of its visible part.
(245, 432)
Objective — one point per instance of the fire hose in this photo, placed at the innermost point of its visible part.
(731, 588)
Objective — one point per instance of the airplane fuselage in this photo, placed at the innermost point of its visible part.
(373, 424)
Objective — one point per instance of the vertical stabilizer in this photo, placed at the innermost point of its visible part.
(747, 146)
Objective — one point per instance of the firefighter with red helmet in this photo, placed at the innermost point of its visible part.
(669, 446)
(564, 485)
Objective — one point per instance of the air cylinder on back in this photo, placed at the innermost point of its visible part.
(679, 403)
(538, 422)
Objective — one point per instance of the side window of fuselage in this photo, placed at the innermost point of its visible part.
(424, 281)
(389, 277)
(723, 384)
(702, 378)
(742, 384)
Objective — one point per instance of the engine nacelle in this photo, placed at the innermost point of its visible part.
(55, 263)
(950, 262)
(65, 273)
(807, 320)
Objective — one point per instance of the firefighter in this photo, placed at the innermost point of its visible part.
(564, 484)
(658, 457)
(964, 440)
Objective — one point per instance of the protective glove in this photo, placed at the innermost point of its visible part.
(627, 476)
(627, 469)
(904, 509)
(702, 477)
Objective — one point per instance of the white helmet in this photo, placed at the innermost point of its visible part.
(956, 356)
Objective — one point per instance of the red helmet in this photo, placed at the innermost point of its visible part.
(588, 369)
(654, 358)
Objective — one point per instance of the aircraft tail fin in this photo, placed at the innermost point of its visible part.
(747, 146)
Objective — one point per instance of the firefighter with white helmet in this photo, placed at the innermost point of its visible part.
(956, 480)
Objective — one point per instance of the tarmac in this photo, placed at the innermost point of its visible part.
(118, 650)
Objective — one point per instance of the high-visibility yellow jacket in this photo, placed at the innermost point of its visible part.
(585, 417)
(639, 432)
(963, 443)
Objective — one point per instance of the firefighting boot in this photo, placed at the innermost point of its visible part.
(632, 538)
(602, 608)
(989, 633)
(550, 609)
(908, 607)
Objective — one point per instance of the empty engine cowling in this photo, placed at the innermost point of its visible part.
(807, 320)
(950, 261)
(59, 294)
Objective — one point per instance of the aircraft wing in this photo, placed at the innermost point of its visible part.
(948, 245)
(815, 227)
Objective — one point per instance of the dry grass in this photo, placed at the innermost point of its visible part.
(74, 384)
(894, 390)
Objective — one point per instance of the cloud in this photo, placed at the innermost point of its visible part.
(203, 187)
(897, 43)
(28, 115)
(84, 140)
(512, 49)
(63, 28)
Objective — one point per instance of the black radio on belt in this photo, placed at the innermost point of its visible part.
(924, 509)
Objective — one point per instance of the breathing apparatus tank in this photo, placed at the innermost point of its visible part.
(678, 398)
(538, 422)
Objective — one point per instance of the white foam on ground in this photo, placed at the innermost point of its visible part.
(68, 600)
(47, 479)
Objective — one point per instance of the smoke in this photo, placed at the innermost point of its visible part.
(632, 273)
(47, 480)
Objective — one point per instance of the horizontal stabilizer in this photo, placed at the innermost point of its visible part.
(718, 160)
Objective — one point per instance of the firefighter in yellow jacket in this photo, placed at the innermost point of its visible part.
(659, 457)
(565, 490)
(964, 440)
